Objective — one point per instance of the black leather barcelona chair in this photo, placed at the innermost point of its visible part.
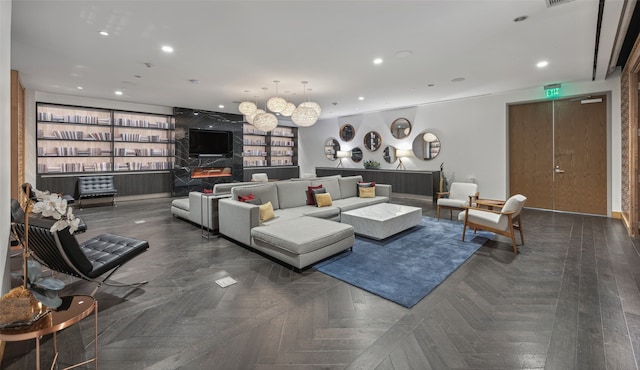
(94, 260)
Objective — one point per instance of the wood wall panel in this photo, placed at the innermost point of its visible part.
(17, 134)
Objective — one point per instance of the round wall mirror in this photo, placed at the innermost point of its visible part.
(372, 141)
(400, 128)
(356, 154)
(331, 147)
(389, 154)
(347, 132)
(426, 146)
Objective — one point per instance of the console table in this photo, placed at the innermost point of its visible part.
(72, 310)
(401, 181)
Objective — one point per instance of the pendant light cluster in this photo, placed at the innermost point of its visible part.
(304, 115)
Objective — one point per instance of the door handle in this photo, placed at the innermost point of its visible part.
(558, 170)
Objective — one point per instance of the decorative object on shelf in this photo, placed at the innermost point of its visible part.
(342, 154)
(347, 132)
(371, 165)
(426, 146)
(247, 107)
(372, 141)
(305, 115)
(265, 121)
(331, 148)
(356, 155)
(276, 103)
(402, 153)
(400, 128)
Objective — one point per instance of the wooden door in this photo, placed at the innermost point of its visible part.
(580, 156)
(531, 153)
(568, 134)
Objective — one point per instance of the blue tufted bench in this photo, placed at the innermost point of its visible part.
(96, 187)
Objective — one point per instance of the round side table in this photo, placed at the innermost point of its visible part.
(73, 309)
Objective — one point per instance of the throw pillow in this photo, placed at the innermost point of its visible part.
(323, 200)
(310, 200)
(314, 192)
(266, 212)
(367, 192)
(244, 198)
(207, 191)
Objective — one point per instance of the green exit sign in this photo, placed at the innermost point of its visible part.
(552, 93)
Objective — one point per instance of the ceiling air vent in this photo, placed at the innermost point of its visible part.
(551, 3)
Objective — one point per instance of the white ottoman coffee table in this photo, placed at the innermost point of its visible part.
(382, 220)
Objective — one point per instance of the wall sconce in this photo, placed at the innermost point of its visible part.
(342, 154)
(402, 153)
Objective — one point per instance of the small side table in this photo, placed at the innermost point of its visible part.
(73, 309)
(209, 212)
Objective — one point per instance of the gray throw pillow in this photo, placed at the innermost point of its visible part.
(317, 191)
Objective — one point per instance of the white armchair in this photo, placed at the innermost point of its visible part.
(503, 222)
(459, 196)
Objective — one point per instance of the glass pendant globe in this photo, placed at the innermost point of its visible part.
(313, 105)
(265, 121)
(247, 107)
(288, 110)
(276, 104)
(304, 116)
(250, 117)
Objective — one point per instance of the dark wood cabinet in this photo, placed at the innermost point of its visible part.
(402, 181)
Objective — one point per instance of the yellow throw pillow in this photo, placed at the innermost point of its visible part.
(266, 212)
(367, 192)
(323, 200)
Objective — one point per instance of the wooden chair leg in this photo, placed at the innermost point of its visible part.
(438, 212)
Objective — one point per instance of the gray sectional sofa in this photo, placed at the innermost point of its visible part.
(300, 234)
(201, 208)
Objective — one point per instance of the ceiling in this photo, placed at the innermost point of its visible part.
(431, 50)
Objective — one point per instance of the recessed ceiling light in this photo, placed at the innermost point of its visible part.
(377, 61)
(193, 81)
(430, 85)
(220, 106)
(542, 64)
(104, 33)
(361, 98)
(137, 76)
(195, 113)
(403, 54)
(118, 92)
(79, 87)
(167, 49)
(520, 18)
(458, 79)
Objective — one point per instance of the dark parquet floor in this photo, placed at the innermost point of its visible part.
(569, 300)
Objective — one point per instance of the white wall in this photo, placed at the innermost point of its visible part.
(5, 147)
(472, 132)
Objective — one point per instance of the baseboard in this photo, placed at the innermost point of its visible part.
(616, 215)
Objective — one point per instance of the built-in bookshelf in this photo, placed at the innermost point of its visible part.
(74, 139)
(269, 149)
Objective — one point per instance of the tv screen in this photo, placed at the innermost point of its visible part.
(210, 143)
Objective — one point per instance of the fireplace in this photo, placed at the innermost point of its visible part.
(202, 172)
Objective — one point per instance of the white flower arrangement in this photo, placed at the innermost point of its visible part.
(51, 205)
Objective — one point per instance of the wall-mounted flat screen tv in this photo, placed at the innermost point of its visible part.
(209, 143)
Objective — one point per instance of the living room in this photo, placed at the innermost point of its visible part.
(473, 131)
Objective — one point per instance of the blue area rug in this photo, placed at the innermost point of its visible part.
(404, 268)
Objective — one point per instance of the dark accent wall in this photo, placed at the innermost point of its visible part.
(187, 118)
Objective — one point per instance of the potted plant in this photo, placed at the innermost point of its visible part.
(371, 164)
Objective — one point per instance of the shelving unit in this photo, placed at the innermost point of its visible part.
(87, 140)
(269, 149)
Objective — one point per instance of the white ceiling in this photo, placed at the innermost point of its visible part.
(233, 46)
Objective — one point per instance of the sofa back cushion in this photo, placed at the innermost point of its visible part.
(332, 186)
(292, 193)
(349, 186)
(225, 188)
(265, 192)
